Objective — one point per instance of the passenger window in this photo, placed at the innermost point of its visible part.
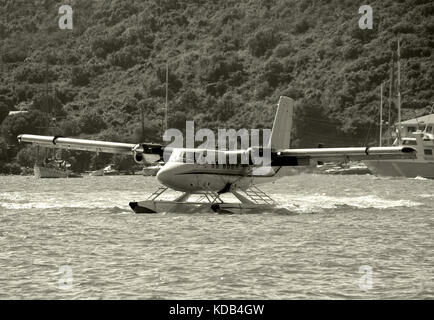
(410, 142)
(411, 129)
(428, 152)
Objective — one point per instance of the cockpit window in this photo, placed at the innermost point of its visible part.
(209, 157)
(181, 156)
(411, 129)
(409, 142)
(177, 156)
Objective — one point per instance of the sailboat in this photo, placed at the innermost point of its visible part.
(419, 134)
(420, 139)
(51, 167)
(152, 169)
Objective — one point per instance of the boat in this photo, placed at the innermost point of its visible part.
(54, 168)
(353, 167)
(43, 171)
(152, 170)
(97, 173)
(417, 133)
(110, 171)
(421, 140)
(72, 174)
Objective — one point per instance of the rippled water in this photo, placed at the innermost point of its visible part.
(342, 223)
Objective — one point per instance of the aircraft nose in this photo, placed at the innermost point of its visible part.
(162, 175)
(167, 176)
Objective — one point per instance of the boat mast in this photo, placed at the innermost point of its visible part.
(46, 84)
(46, 107)
(391, 81)
(142, 120)
(381, 113)
(167, 96)
(399, 93)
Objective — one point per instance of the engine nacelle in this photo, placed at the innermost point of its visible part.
(139, 158)
(147, 153)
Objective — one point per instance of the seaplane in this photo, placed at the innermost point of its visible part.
(203, 184)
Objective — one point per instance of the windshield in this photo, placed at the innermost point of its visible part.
(177, 156)
(409, 142)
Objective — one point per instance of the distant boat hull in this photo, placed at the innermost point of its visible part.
(353, 169)
(402, 168)
(44, 172)
(97, 173)
(41, 172)
(71, 174)
(150, 171)
(111, 173)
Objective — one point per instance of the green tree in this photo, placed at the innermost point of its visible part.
(263, 41)
(32, 122)
(125, 163)
(92, 122)
(10, 168)
(3, 150)
(70, 127)
(27, 156)
(79, 76)
(48, 104)
(4, 111)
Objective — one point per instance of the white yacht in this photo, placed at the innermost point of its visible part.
(419, 134)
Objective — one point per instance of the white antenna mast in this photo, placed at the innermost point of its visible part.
(399, 92)
(381, 113)
(167, 96)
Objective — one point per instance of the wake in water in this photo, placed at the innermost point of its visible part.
(317, 203)
(421, 178)
(297, 204)
(26, 201)
(426, 195)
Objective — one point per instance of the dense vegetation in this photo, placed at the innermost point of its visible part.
(229, 61)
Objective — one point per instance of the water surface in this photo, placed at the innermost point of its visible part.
(340, 224)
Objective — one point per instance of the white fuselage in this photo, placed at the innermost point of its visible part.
(181, 175)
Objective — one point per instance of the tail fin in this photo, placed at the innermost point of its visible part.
(282, 125)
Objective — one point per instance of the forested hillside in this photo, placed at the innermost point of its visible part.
(229, 61)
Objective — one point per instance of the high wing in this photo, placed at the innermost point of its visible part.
(302, 157)
(139, 151)
(281, 157)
